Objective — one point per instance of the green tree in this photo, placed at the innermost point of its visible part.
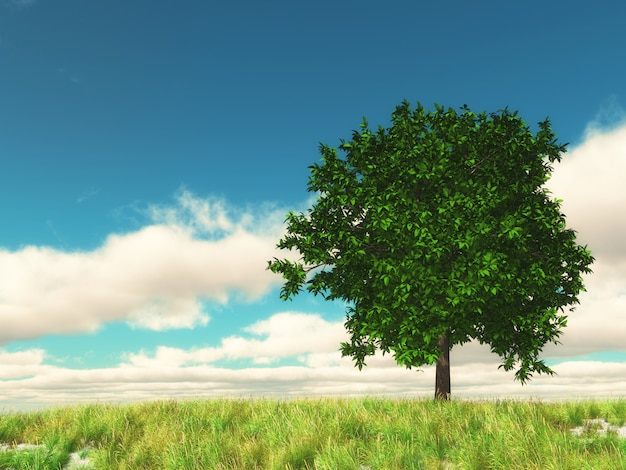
(436, 231)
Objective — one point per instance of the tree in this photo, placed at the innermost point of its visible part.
(436, 231)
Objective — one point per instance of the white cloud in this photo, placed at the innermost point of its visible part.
(287, 334)
(202, 215)
(156, 277)
(212, 217)
(35, 385)
(19, 364)
(589, 180)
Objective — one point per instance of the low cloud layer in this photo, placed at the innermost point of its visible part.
(172, 372)
(154, 278)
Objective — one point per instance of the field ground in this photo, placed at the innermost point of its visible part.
(326, 433)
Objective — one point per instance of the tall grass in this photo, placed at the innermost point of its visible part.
(329, 433)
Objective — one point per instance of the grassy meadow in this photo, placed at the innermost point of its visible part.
(325, 433)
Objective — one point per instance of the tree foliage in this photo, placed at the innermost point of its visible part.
(440, 225)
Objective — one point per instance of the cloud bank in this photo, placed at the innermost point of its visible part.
(179, 373)
(154, 278)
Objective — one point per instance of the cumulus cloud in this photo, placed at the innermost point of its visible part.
(589, 180)
(156, 277)
(286, 334)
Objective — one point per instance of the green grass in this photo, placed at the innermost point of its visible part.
(324, 433)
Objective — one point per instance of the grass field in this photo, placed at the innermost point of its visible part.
(327, 433)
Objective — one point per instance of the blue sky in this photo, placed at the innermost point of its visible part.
(150, 150)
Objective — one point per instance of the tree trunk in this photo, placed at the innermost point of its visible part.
(442, 374)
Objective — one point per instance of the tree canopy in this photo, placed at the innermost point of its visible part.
(440, 226)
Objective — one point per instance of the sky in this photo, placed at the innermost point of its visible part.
(151, 149)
